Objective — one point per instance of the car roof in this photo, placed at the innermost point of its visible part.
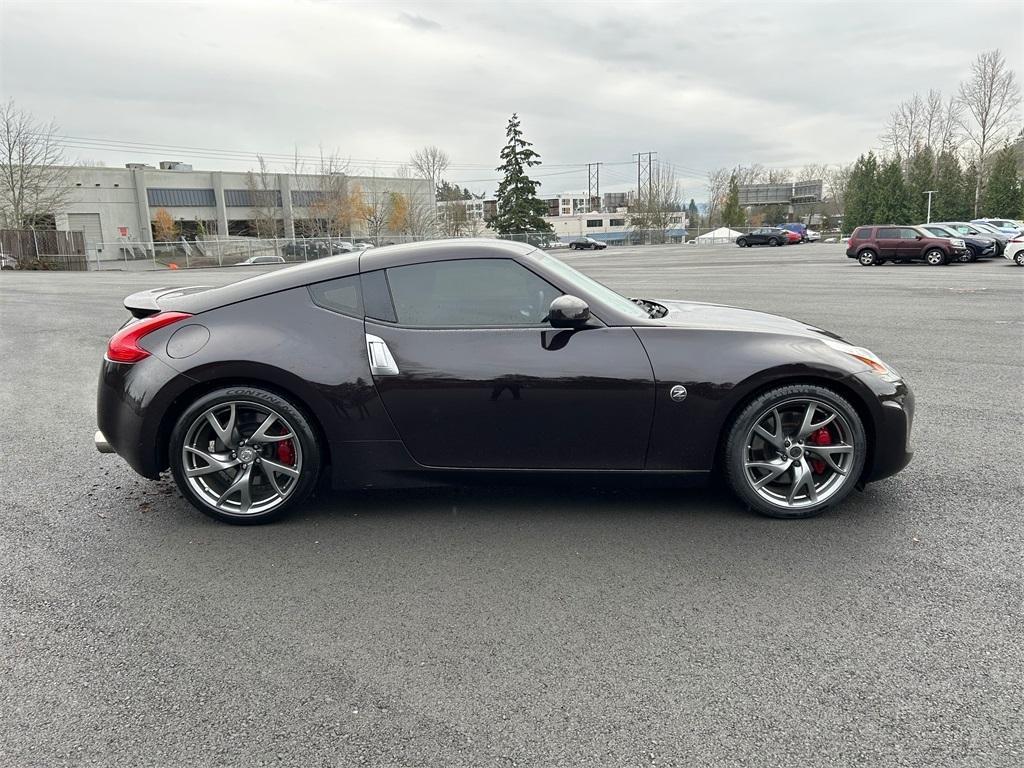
(343, 265)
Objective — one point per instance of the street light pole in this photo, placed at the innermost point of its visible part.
(930, 192)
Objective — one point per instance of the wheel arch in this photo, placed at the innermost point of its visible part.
(841, 387)
(262, 377)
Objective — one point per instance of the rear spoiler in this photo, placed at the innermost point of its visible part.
(146, 303)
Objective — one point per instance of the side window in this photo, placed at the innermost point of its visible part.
(341, 295)
(470, 292)
(909, 234)
(888, 234)
(862, 233)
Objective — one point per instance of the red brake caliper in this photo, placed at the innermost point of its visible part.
(286, 453)
(819, 437)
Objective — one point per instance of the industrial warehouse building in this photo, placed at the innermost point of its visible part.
(112, 206)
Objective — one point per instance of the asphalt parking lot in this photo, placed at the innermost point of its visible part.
(529, 626)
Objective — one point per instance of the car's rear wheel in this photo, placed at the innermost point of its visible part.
(244, 455)
(773, 242)
(1018, 258)
(741, 243)
(867, 258)
(935, 257)
(795, 450)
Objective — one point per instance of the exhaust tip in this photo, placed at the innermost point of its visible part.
(100, 441)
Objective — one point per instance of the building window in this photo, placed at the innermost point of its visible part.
(252, 198)
(594, 222)
(181, 198)
(616, 222)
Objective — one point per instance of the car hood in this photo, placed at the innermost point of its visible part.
(697, 314)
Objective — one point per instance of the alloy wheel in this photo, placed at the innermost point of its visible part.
(866, 258)
(935, 257)
(799, 453)
(242, 458)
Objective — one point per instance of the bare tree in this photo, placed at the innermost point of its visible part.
(905, 130)
(430, 163)
(373, 206)
(718, 188)
(326, 191)
(941, 128)
(990, 98)
(837, 179)
(653, 209)
(264, 199)
(34, 181)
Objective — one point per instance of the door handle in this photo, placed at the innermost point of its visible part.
(382, 362)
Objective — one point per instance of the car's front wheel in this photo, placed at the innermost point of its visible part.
(795, 450)
(244, 455)
(1018, 258)
(935, 257)
(773, 242)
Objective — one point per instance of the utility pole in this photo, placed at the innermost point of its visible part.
(593, 185)
(643, 172)
(930, 192)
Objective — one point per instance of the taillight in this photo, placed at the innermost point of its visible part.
(123, 346)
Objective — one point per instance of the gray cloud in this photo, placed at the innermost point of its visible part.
(704, 85)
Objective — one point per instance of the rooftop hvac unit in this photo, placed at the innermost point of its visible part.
(137, 166)
(173, 165)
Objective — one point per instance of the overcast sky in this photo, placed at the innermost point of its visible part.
(702, 84)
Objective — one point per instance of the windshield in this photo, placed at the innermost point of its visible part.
(597, 290)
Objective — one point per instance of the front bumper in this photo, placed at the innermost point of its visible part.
(893, 421)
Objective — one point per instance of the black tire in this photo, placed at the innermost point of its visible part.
(734, 456)
(935, 257)
(741, 243)
(1018, 258)
(773, 242)
(261, 398)
(968, 257)
(867, 258)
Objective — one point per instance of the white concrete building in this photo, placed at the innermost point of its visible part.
(114, 205)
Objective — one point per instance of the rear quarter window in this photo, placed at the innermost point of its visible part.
(342, 295)
(862, 233)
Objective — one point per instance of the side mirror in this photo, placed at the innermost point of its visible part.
(568, 312)
(919, 237)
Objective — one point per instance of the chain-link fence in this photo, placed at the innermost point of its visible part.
(223, 251)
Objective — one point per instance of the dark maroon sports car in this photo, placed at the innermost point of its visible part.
(431, 362)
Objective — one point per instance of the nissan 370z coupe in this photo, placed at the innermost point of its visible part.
(432, 362)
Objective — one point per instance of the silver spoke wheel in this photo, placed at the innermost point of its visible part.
(241, 458)
(799, 453)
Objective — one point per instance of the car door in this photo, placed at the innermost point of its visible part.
(888, 242)
(909, 247)
(757, 237)
(472, 375)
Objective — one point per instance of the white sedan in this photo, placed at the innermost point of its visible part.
(1015, 251)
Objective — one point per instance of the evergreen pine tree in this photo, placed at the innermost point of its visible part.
(732, 214)
(949, 202)
(919, 180)
(519, 210)
(860, 193)
(692, 213)
(891, 205)
(1002, 193)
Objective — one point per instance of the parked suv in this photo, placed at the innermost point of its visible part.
(763, 236)
(876, 245)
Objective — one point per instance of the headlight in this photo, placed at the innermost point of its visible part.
(866, 356)
(958, 243)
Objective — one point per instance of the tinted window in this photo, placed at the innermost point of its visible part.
(377, 297)
(906, 233)
(891, 233)
(341, 295)
(593, 222)
(470, 292)
(862, 233)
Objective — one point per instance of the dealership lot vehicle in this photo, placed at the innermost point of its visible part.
(1015, 251)
(587, 244)
(1007, 226)
(798, 228)
(874, 246)
(772, 236)
(439, 341)
(978, 246)
(382, 601)
(979, 230)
